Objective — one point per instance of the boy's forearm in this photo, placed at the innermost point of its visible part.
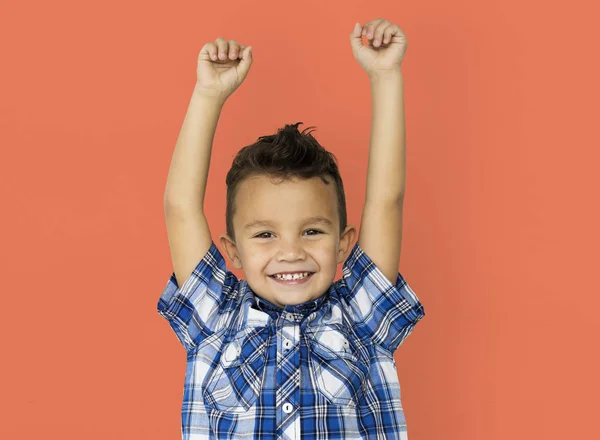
(188, 172)
(386, 175)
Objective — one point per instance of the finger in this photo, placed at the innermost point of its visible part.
(211, 50)
(242, 51)
(247, 54)
(389, 32)
(371, 25)
(378, 32)
(366, 31)
(234, 49)
(245, 62)
(356, 36)
(222, 48)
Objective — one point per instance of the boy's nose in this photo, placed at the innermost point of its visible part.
(291, 251)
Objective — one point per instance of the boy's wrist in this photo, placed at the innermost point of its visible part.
(392, 76)
(208, 95)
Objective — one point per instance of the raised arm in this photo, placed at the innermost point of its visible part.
(187, 228)
(380, 233)
(381, 224)
(222, 67)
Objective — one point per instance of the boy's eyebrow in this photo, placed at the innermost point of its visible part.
(266, 223)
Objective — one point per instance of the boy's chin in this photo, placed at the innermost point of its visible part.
(291, 296)
(292, 299)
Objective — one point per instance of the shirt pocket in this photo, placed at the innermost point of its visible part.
(337, 368)
(234, 383)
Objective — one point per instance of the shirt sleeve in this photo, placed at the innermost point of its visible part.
(196, 310)
(386, 313)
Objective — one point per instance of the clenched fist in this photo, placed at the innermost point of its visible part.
(222, 67)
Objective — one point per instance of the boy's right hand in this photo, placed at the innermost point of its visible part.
(222, 67)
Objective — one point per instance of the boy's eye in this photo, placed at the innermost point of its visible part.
(262, 234)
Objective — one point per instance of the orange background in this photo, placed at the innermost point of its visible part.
(500, 238)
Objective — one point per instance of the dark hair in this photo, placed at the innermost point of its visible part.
(285, 155)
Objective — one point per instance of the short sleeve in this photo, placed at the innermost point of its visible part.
(194, 310)
(386, 313)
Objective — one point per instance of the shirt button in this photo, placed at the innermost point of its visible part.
(289, 316)
(287, 408)
(287, 344)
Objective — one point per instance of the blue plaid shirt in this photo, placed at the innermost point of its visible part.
(323, 369)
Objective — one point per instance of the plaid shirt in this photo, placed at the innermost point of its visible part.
(323, 369)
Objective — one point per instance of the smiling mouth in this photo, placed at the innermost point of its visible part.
(292, 281)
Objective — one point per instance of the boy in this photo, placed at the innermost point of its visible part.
(288, 353)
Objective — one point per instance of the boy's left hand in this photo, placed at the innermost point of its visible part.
(384, 51)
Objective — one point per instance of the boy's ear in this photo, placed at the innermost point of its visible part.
(230, 247)
(347, 240)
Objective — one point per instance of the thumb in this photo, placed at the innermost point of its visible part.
(244, 66)
(356, 37)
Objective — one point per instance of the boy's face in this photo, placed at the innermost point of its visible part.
(290, 242)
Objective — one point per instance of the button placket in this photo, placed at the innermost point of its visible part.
(288, 371)
(287, 344)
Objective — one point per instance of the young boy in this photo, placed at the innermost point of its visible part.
(287, 353)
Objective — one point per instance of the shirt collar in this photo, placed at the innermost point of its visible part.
(301, 309)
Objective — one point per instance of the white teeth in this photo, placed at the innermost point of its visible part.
(295, 276)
